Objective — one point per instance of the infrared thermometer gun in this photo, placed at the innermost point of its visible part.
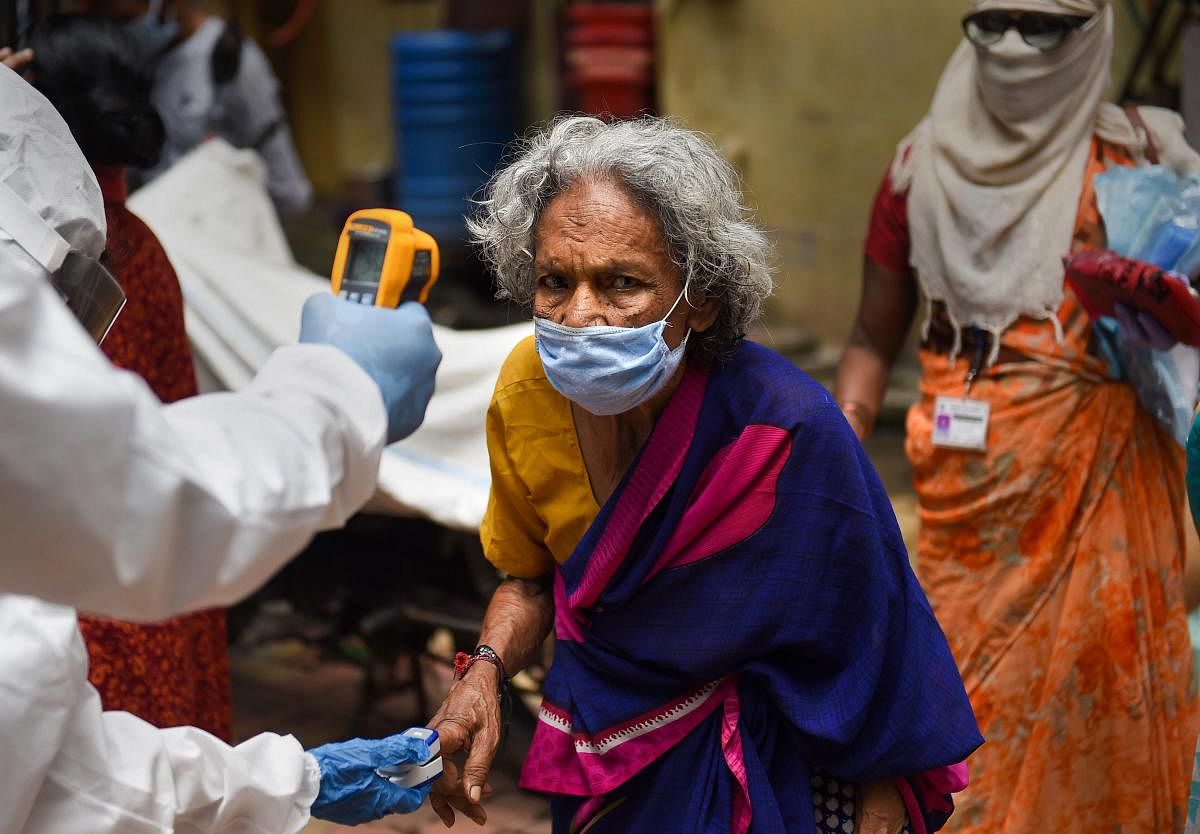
(418, 774)
(383, 260)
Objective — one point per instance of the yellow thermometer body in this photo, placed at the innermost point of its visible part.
(383, 260)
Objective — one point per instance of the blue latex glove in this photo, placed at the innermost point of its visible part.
(394, 347)
(352, 792)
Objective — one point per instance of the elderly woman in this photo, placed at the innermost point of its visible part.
(1052, 538)
(740, 641)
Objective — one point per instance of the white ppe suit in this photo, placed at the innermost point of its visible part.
(111, 502)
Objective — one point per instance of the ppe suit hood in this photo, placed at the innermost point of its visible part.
(41, 162)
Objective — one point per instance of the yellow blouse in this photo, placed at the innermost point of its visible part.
(541, 502)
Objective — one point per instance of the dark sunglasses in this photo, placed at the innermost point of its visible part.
(1044, 32)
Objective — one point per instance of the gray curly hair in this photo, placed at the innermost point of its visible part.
(677, 174)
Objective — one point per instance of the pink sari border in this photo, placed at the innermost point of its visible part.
(731, 746)
(733, 498)
(577, 764)
(929, 790)
(568, 625)
(945, 780)
(584, 817)
(916, 817)
(933, 788)
(655, 473)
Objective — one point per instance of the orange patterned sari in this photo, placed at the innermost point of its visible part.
(1054, 562)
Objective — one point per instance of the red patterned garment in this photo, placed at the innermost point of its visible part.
(175, 672)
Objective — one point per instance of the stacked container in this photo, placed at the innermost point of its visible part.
(609, 58)
(456, 102)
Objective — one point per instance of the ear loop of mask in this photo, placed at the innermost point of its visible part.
(683, 296)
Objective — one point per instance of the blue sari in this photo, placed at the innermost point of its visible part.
(740, 614)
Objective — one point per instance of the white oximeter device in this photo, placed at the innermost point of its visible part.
(418, 774)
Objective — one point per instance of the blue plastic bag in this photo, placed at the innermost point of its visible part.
(1134, 202)
(1153, 215)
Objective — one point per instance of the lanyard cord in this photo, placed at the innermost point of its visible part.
(980, 352)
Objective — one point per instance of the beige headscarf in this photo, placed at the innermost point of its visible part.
(994, 172)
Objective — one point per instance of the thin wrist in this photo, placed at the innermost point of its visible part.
(484, 655)
(487, 669)
(859, 413)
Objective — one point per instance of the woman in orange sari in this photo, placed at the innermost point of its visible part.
(175, 672)
(1051, 504)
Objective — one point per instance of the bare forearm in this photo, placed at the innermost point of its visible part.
(889, 302)
(516, 623)
(862, 380)
(518, 620)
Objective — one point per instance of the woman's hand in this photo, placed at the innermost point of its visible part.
(517, 621)
(469, 719)
(880, 810)
(15, 60)
(447, 795)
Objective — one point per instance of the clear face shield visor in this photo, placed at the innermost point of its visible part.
(86, 287)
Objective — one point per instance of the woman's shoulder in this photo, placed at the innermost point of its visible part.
(522, 365)
(523, 395)
(768, 366)
(1146, 134)
(766, 387)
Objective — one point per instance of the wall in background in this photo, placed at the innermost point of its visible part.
(339, 84)
(809, 100)
(337, 78)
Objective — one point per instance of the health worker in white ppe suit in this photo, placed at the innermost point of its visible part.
(116, 504)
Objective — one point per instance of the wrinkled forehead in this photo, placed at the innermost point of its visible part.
(1082, 8)
(602, 200)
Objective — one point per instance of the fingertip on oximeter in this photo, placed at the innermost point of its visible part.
(418, 774)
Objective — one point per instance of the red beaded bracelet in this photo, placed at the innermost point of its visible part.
(464, 661)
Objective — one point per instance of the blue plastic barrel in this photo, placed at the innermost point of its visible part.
(455, 104)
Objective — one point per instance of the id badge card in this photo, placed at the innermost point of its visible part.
(961, 423)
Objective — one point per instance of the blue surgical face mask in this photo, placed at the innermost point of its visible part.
(608, 370)
(152, 34)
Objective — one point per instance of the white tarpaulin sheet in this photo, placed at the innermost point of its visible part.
(243, 293)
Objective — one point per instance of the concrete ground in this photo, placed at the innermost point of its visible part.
(286, 686)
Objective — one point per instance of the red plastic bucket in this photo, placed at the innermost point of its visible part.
(609, 58)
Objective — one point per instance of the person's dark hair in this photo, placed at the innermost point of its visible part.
(87, 69)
